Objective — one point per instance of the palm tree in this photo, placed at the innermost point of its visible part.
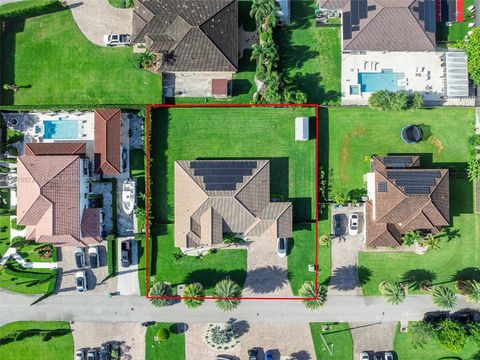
(431, 242)
(147, 59)
(191, 293)
(261, 9)
(443, 297)
(470, 289)
(410, 238)
(312, 301)
(393, 292)
(229, 293)
(160, 289)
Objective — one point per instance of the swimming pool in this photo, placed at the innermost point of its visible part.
(374, 81)
(60, 129)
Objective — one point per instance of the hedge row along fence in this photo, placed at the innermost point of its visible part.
(71, 107)
(148, 189)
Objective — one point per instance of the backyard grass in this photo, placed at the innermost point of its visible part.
(29, 343)
(456, 31)
(56, 64)
(189, 269)
(173, 348)
(433, 350)
(241, 133)
(302, 253)
(338, 339)
(310, 56)
(4, 234)
(356, 134)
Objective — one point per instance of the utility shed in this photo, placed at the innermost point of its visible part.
(301, 128)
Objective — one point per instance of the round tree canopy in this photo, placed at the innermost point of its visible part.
(412, 134)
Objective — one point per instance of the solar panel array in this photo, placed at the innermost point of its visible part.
(414, 182)
(222, 175)
(398, 161)
(427, 13)
(351, 19)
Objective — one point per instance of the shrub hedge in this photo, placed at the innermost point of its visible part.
(400, 100)
(27, 9)
(111, 255)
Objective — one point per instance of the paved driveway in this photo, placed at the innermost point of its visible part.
(344, 278)
(130, 336)
(68, 268)
(372, 337)
(266, 271)
(281, 339)
(97, 18)
(127, 278)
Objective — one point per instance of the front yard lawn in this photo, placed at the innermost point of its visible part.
(338, 339)
(239, 133)
(433, 350)
(51, 340)
(173, 348)
(190, 269)
(310, 56)
(56, 63)
(356, 134)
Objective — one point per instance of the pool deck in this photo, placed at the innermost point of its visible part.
(424, 73)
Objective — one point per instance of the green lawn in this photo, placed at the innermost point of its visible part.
(4, 234)
(245, 133)
(432, 351)
(58, 65)
(302, 253)
(172, 349)
(29, 343)
(338, 339)
(207, 271)
(456, 31)
(311, 56)
(355, 134)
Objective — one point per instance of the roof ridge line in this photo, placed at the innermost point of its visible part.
(216, 47)
(252, 176)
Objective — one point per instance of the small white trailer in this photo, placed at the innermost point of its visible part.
(301, 128)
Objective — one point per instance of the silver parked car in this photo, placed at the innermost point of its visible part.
(353, 224)
(282, 244)
(116, 40)
(81, 281)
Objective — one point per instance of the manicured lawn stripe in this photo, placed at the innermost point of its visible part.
(173, 348)
(338, 339)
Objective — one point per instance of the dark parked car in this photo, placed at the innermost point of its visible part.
(79, 257)
(253, 354)
(105, 351)
(463, 317)
(92, 354)
(282, 247)
(436, 317)
(126, 253)
(93, 257)
(337, 225)
(268, 355)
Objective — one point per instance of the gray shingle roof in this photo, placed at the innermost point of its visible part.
(200, 35)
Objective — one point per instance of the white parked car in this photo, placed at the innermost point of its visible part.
(79, 355)
(81, 281)
(353, 224)
(365, 356)
(282, 245)
(116, 40)
(93, 257)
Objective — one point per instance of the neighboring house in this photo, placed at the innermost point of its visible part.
(108, 142)
(391, 45)
(195, 41)
(52, 190)
(403, 197)
(213, 197)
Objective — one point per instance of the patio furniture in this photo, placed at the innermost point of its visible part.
(471, 25)
(471, 8)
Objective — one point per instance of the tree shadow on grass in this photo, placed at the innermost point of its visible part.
(349, 277)
(414, 278)
(266, 279)
(302, 355)
(470, 273)
(209, 277)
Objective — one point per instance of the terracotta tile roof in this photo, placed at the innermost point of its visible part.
(386, 25)
(217, 196)
(91, 228)
(108, 141)
(199, 35)
(36, 149)
(406, 198)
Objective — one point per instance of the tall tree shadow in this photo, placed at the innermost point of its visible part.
(349, 277)
(266, 279)
(470, 273)
(414, 278)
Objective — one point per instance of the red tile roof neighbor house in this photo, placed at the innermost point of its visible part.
(403, 197)
(213, 197)
(49, 199)
(32, 149)
(108, 141)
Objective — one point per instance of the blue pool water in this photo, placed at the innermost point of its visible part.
(60, 129)
(385, 80)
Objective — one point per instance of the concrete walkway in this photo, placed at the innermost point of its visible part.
(100, 308)
(372, 337)
(97, 18)
(12, 253)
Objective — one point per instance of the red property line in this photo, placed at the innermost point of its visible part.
(147, 190)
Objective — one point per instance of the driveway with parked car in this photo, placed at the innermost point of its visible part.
(374, 340)
(348, 230)
(267, 268)
(82, 269)
(127, 277)
(104, 338)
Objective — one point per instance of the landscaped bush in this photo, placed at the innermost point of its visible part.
(230, 238)
(452, 335)
(163, 334)
(19, 241)
(111, 255)
(15, 226)
(422, 333)
(27, 9)
(400, 100)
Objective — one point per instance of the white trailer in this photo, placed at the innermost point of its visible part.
(301, 128)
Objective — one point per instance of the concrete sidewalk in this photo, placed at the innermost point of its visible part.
(12, 253)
